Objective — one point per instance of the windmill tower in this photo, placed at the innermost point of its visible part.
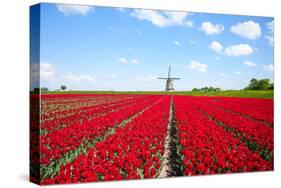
(169, 81)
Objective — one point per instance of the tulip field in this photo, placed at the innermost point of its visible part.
(101, 137)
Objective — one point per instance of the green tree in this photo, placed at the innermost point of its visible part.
(262, 84)
(253, 84)
(271, 87)
(195, 90)
(63, 87)
(44, 89)
(217, 89)
(206, 89)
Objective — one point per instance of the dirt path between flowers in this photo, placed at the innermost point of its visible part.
(171, 163)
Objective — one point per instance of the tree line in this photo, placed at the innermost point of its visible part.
(45, 89)
(262, 84)
(255, 84)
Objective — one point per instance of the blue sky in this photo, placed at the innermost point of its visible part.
(99, 48)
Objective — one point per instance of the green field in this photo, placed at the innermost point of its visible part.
(227, 93)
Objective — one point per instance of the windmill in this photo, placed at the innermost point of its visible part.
(169, 81)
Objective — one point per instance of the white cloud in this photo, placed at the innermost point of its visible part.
(249, 30)
(238, 50)
(123, 60)
(269, 37)
(130, 49)
(238, 72)
(163, 18)
(78, 78)
(88, 78)
(216, 46)
(177, 43)
(223, 74)
(47, 71)
(121, 9)
(71, 77)
(269, 67)
(270, 25)
(250, 63)
(68, 10)
(192, 42)
(234, 50)
(198, 66)
(126, 61)
(211, 29)
(112, 76)
(134, 61)
(189, 23)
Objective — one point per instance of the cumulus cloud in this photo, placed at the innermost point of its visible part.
(123, 60)
(47, 71)
(78, 78)
(269, 67)
(223, 74)
(188, 23)
(270, 25)
(121, 9)
(250, 63)
(71, 77)
(269, 37)
(163, 18)
(68, 10)
(216, 46)
(134, 61)
(238, 50)
(88, 78)
(211, 29)
(233, 50)
(249, 30)
(192, 42)
(177, 43)
(198, 66)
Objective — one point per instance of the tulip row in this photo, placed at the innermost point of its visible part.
(258, 109)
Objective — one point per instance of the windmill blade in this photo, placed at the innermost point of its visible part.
(163, 78)
(169, 72)
(175, 78)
